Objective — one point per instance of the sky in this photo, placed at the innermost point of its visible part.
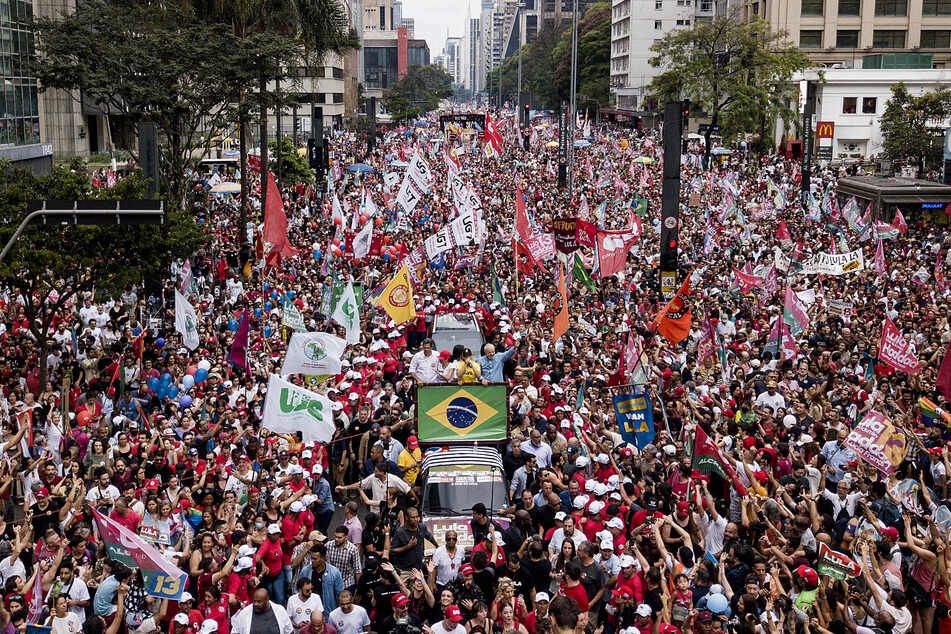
(433, 17)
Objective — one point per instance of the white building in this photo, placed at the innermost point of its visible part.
(854, 101)
(635, 26)
(453, 58)
(472, 68)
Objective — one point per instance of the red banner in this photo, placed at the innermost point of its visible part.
(896, 351)
(565, 230)
(586, 233)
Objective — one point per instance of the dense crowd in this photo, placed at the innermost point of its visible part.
(279, 536)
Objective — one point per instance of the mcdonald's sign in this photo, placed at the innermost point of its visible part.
(825, 129)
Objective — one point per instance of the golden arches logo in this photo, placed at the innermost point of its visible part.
(825, 129)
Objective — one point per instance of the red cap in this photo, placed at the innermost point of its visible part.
(729, 413)
(444, 354)
(935, 451)
(412, 442)
(808, 575)
(622, 593)
(761, 476)
(749, 442)
(627, 452)
(466, 569)
(184, 504)
(682, 507)
(399, 599)
(42, 493)
(453, 613)
(890, 532)
(151, 484)
(666, 628)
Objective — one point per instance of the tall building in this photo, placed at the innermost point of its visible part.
(453, 58)
(410, 25)
(387, 58)
(841, 32)
(536, 15)
(635, 26)
(473, 70)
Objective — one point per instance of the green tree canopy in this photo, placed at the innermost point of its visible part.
(738, 73)
(49, 265)
(594, 57)
(911, 126)
(538, 71)
(418, 91)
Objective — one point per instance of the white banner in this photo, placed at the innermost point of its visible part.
(361, 241)
(292, 318)
(313, 353)
(289, 408)
(186, 321)
(416, 184)
(437, 243)
(834, 263)
(347, 314)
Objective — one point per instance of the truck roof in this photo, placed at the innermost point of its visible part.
(455, 456)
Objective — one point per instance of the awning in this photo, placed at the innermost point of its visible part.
(912, 199)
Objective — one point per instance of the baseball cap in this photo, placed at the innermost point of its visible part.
(890, 532)
(243, 563)
(627, 561)
(560, 516)
(808, 575)
(186, 596)
(296, 506)
(606, 545)
(41, 493)
(412, 442)
(181, 618)
(208, 626)
(273, 529)
(541, 596)
(467, 570)
(453, 613)
(399, 599)
(705, 616)
(644, 610)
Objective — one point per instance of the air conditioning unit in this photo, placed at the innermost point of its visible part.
(848, 63)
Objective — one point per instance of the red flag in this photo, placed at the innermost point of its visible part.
(782, 232)
(896, 351)
(239, 348)
(899, 221)
(943, 382)
(707, 458)
(673, 321)
(522, 226)
(523, 257)
(586, 233)
(275, 221)
(612, 248)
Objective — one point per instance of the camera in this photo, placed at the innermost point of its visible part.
(403, 626)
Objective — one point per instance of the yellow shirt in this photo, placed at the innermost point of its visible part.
(467, 373)
(410, 459)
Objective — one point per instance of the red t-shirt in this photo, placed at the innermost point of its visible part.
(130, 520)
(272, 555)
(237, 585)
(577, 593)
(219, 613)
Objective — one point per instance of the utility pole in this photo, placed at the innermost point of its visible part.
(518, 98)
(574, 87)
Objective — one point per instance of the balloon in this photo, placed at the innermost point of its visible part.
(292, 294)
(386, 239)
(166, 378)
(717, 603)
(188, 382)
(159, 342)
(336, 242)
(185, 400)
(201, 375)
(153, 383)
(378, 222)
(233, 324)
(265, 286)
(356, 261)
(171, 391)
(338, 220)
(273, 294)
(161, 393)
(318, 254)
(267, 332)
(363, 218)
(386, 256)
(337, 252)
(257, 312)
(191, 370)
(268, 306)
(204, 364)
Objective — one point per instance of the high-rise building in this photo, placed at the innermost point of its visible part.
(840, 33)
(453, 58)
(410, 25)
(536, 15)
(635, 26)
(473, 70)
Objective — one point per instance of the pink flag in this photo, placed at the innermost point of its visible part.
(708, 344)
(612, 248)
(899, 222)
(939, 273)
(943, 382)
(35, 609)
(239, 348)
(746, 280)
(880, 260)
(782, 232)
(896, 351)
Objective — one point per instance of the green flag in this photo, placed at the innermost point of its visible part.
(640, 207)
(462, 413)
(581, 274)
(497, 295)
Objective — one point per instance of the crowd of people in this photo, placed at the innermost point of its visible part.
(279, 536)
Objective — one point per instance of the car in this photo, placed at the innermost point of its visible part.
(457, 329)
(455, 478)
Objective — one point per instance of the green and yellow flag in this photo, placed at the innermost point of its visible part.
(581, 274)
(462, 413)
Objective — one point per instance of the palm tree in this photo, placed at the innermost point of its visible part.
(318, 27)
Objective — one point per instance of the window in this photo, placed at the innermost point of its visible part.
(658, 25)
(756, 8)
(812, 7)
(810, 39)
(683, 22)
(658, 5)
(847, 39)
(891, 7)
(848, 105)
(869, 105)
(936, 7)
(849, 7)
(888, 39)
(936, 39)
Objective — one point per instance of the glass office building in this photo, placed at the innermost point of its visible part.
(19, 109)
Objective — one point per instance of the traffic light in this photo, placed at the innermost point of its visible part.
(313, 153)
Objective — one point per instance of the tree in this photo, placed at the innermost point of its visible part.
(294, 168)
(418, 91)
(538, 71)
(594, 56)
(146, 61)
(49, 266)
(911, 126)
(736, 72)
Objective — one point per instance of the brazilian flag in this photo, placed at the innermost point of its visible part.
(581, 274)
(462, 413)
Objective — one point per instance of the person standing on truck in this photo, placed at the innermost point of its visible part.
(468, 371)
(493, 363)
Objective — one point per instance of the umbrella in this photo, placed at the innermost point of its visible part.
(552, 144)
(226, 188)
(721, 150)
(361, 168)
(582, 143)
(644, 159)
(399, 164)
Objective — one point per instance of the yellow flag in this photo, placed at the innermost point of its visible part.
(397, 298)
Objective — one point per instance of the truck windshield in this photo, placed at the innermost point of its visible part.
(454, 490)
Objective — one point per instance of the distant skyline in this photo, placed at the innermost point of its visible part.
(433, 17)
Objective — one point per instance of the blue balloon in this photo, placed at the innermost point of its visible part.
(717, 603)
(161, 392)
(318, 254)
(185, 400)
(200, 375)
(258, 312)
(267, 332)
(159, 342)
(273, 294)
(153, 383)
(292, 294)
(386, 256)
(268, 306)
(171, 391)
(166, 378)
(232, 324)
(265, 286)
(188, 381)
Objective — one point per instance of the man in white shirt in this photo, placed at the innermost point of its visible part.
(452, 623)
(425, 364)
(377, 483)
(447, 561)
(74, 588)
(301, 605)
(770, 398)
(349, 618)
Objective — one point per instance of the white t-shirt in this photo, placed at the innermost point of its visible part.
(424, 367)
(300, 611)
(75, 591)
(11, 569)
(713, 531)
(69, 624)
(96, 493)
(439, 629)
(352, 623)
(447, 568)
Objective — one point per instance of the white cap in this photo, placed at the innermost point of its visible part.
(670, 450)
(602, 458)
(273, 529)
(789, 421)
(616, 522)
(606, 545)
(644, 610)
(580, 501)
(246, 550)
(589, 485)
(243, 563)
(297, 506)
(630, 630)
(295, 469)
(208, 626)
(595, 507)
(541, 596)
(560, 516)
(581, 462)
(804, 439)
(626, 561)
(615, 496)
(497, 538)
(307, 453)
(181, 618)
(186, 596)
